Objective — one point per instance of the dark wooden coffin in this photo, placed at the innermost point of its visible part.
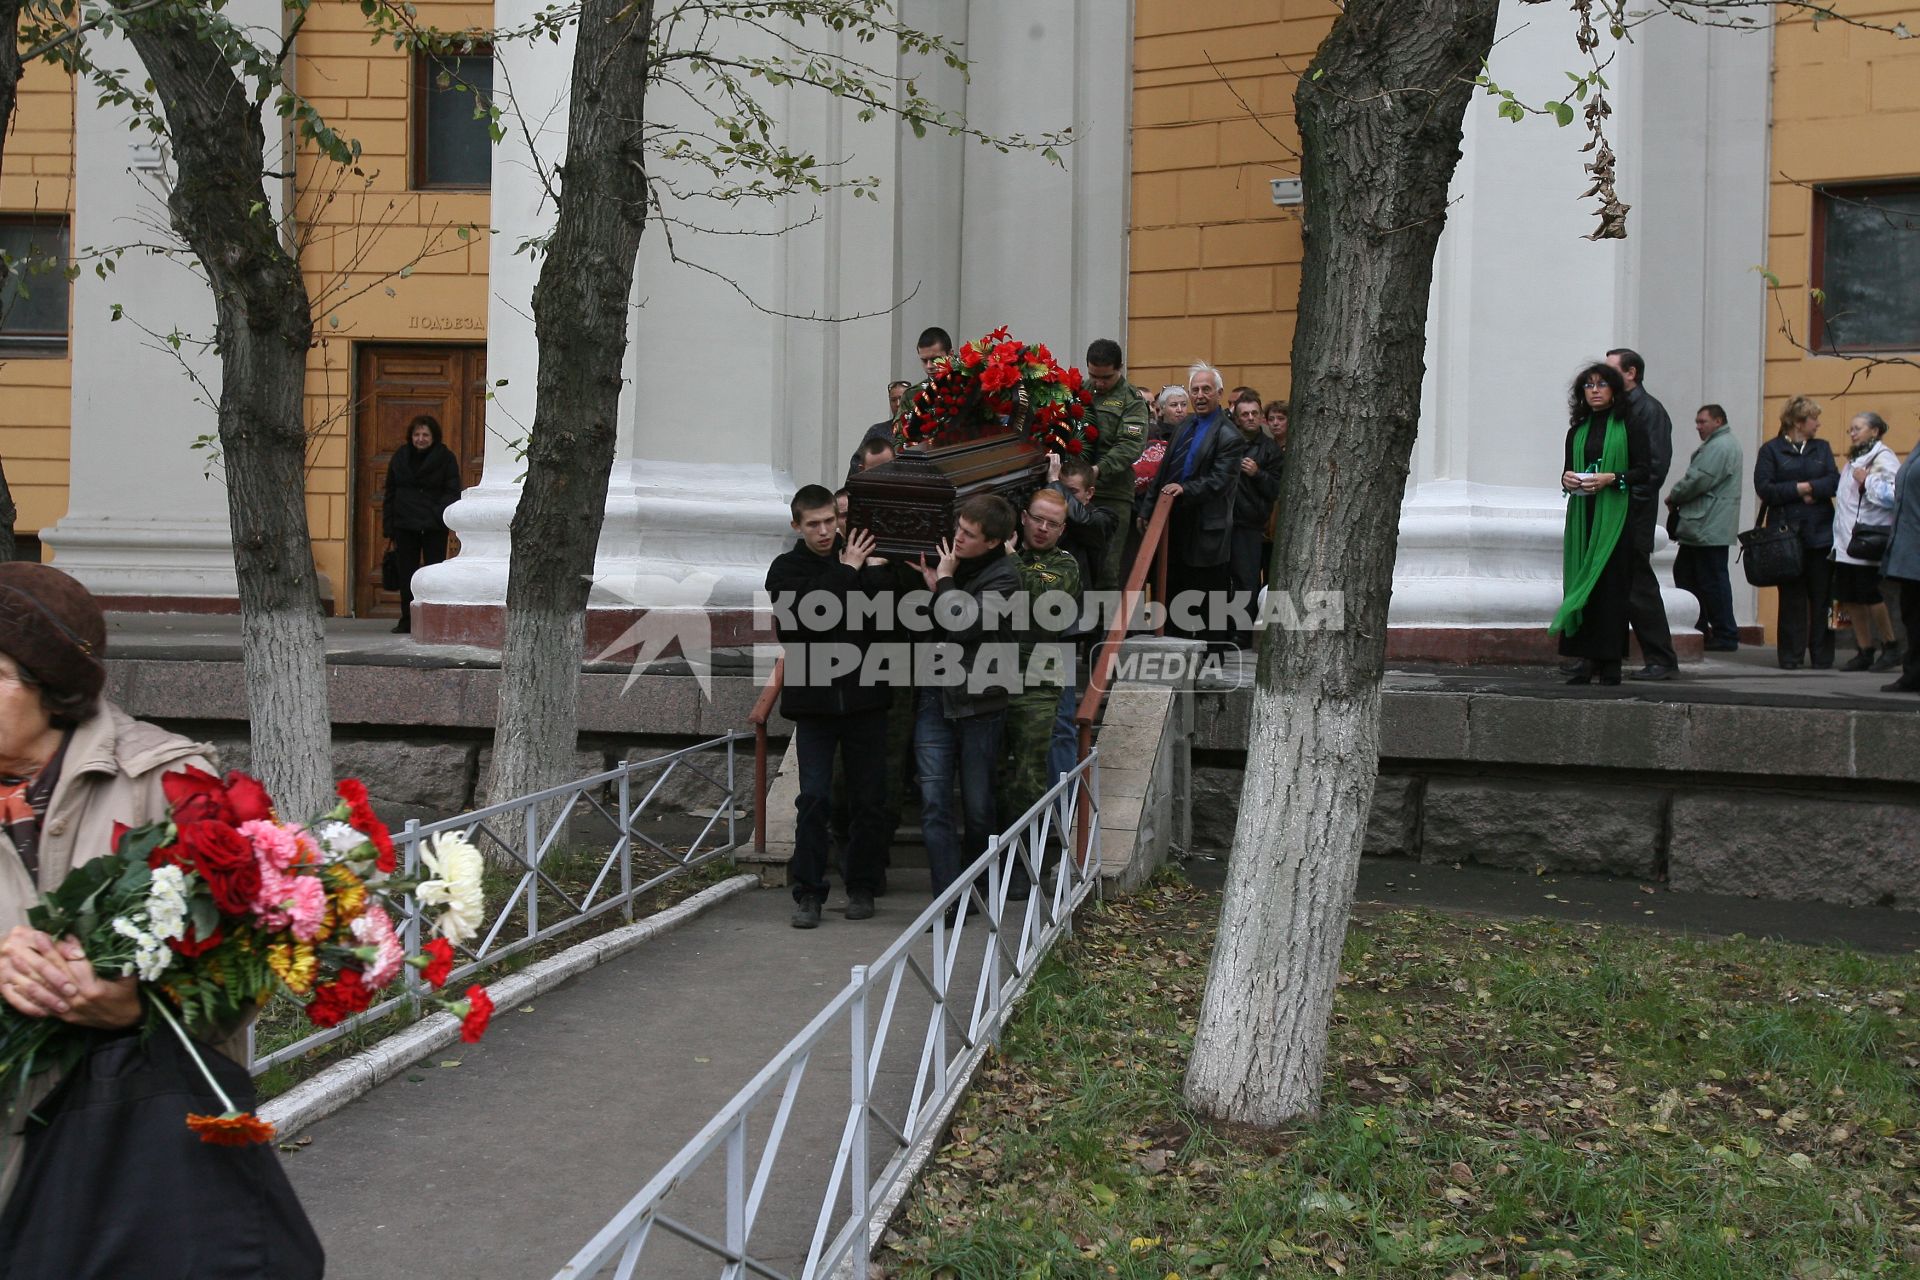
(909, 503)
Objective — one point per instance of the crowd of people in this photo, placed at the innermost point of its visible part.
(1857, 526)
(975, 719)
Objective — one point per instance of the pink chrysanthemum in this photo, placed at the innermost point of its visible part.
(374, 928)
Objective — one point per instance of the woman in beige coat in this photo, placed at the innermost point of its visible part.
(71, 766)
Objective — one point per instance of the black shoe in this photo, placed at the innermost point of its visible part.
(1827, 665)
(952, 912)
(1861, 661)
(1652, 671)
(859, 905)
(1890, 659)
(403, 628)
(1789, 664)
(1609, 680)
(1717, 646)
(1900, 686)
(1578, 667)
(1582, 678)
(806, 914)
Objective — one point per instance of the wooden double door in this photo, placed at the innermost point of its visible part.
(393, 385)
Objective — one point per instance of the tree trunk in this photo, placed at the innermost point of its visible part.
(1379, 117)
(580, 324)
(10, 70)
(9, 513)
(263, 327)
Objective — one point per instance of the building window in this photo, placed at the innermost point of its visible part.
(1866, 268)
(33, 301)
(452, 133)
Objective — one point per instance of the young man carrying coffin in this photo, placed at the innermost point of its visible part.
(814, 589)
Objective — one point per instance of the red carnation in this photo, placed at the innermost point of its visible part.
(361, 817)
(1093, 433)
(225, 860)
(473, 1023)
(1076, 411)
(439, 963)
(196, 796)
(334, 1002)
(1073, 446)
(248, 798)
(191, 945)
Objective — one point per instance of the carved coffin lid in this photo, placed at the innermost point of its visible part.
(909, 503)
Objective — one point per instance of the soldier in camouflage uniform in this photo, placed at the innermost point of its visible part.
(1121, 417)
(1044, 567)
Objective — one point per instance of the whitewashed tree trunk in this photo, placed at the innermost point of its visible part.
(1379, 116)
(580, 322)
(263, 328)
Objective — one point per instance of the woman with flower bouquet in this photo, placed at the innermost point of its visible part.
(170, 905)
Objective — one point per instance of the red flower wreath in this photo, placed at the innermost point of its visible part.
(982, 383)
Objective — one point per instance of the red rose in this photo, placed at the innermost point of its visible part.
(334, 1002)
(191, 945)
(479, 1012)
(999, 377)
(225, 860)
(439, 964)
(248, 799)
(196, 796)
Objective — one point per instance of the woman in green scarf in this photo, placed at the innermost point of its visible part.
(1604, 457)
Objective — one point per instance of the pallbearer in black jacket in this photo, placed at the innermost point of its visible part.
(833, 705)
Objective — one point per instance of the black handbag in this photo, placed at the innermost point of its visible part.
(390, 570)
(1869, 542)
(113, 1184)
(1771, 554)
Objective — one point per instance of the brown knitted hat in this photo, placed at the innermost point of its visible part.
(52, 627)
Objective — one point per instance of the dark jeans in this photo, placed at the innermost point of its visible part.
(1910, 619)
(1703, 571)
(1801, 628)
(945, 751)
(1245, 570)
(860, 740)
(412, 548)
(1647, 613)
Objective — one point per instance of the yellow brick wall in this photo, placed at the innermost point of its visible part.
(1846, 108)
(1214, 265)
(36, 176)
(361, 228)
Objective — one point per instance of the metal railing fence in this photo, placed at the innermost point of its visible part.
(914, 1024)
(522, 835)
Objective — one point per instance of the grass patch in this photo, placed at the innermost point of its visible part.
(283, 1020)
(1531, 1100)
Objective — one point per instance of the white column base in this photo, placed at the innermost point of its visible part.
(157, 564)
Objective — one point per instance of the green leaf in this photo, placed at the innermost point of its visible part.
(1562, 112)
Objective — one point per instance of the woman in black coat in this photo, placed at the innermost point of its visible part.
(1607, 453)
(1796, 479)
(423, 480)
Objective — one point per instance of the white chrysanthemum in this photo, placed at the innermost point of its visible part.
(151, 957)
(342, 842)
(167, 903)
(455, 866)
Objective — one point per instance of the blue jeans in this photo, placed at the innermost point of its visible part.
(966, 750)
(1064, 751)
(1703, 571)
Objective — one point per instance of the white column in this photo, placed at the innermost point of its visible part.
(746, 380)
(144, 521)
(1521, 300)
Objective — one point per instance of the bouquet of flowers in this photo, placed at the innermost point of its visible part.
(992, 378)
(222, 904)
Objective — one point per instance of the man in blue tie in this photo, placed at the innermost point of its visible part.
(1201, 469)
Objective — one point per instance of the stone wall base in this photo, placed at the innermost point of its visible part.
(1854, 845)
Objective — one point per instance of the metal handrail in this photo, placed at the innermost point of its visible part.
(521, 833)
(1152, 554)
(928, 1077)
(762, 711)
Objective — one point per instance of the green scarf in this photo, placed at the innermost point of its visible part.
(1585, 550)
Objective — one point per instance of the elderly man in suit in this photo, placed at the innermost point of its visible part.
(1201, 469)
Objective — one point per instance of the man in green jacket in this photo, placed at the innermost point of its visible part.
(1120, 415)
(1703, 513)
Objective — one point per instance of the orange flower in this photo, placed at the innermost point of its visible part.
(348, 893)
(234, 1129)
(294, 963)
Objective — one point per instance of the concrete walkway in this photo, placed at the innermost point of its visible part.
(507, 1163)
